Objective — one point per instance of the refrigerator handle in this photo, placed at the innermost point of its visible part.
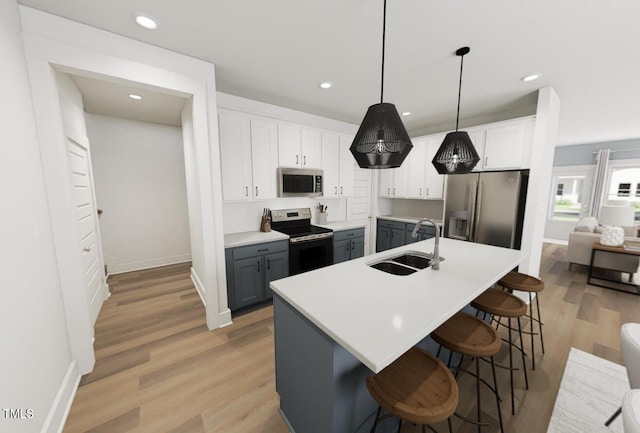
(477, 211)
(472, 211)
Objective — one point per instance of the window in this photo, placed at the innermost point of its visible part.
(568, 200)
(560, 189)
(638, 190)
(624, 189)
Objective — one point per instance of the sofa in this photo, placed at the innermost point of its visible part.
(581, 244)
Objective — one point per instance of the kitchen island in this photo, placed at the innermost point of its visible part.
(337, 325)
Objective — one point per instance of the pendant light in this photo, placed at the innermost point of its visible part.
(456, 154)
(381, 141)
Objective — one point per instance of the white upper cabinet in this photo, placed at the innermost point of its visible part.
(264, 158)
(331, 164)
(386, 182)
(503, 145)
(299, 147)
(415, 165)
(235, 156)
(337, 165)
(347, 166)
(433, 181)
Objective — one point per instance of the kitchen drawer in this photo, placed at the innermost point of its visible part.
(347, 234)
(260, 249)
(391, 224)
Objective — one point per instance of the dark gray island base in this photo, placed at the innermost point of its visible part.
(321, 385)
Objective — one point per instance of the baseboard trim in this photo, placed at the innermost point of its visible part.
(199, 286)
(224, 318)
(121, 268)
(62, 403)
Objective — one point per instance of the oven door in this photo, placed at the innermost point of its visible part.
(308, 255)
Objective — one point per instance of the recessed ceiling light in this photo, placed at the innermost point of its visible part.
(406, 113)
(326, 85)
(531, 77)
(134, 96)
(147, 22)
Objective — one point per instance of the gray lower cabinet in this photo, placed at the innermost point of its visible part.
(251, 268)
(392, 234)
(348, 245)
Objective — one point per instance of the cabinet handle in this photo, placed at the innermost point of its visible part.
(341, 191)
(421, 192)
(263, 249)
(304, 160)
(394, 191)
(353, 246)
(388, 191)
(258, 265)
(486, 160)
(427, 192)
(336, 189)
(246, 191)
(297, 160)
(268, 263)
(256, 191)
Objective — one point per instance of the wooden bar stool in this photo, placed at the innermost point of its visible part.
(526, 283)
(417, 388)
(470, 336)
(502, 304)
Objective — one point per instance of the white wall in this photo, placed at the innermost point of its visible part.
(36, 355)
(139, 176)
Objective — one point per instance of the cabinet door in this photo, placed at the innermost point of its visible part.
(235, 156)
(247, 275)
(341, 250)
(331, 164)
(477, 138)
(357, 247)
(347, 166)
(383, 239)
(433, 181)
(398, 238)
(504, 146)
(415, 163)
(264, 157)
(311, 149)
(276, 266)
(401, 180)
(386, 182)
(289, 138)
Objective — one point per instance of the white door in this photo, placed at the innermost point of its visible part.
(569, 199)
(85, 210)
(360, 204)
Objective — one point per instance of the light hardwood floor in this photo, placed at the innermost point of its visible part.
(159, 369)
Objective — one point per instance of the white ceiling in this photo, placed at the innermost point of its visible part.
(278, 52)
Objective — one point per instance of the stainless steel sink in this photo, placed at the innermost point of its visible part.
(393, 268)
(405, 263)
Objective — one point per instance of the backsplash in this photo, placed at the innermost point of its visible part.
(418, 208)
(245, 216)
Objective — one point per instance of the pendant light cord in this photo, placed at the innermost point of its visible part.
(459, 92)
(384, 27)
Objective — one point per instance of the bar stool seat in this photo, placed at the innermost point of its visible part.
(470, 336)
(526, 283)
(502, 304)
(417, 387)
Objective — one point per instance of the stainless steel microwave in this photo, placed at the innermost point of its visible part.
(299, 182)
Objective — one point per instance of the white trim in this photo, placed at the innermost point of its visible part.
(57, 416)
(121, 268)
(199, 287)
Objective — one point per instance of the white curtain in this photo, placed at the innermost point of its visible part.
(600, 179)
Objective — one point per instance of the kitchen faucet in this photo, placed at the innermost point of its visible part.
(435, 264)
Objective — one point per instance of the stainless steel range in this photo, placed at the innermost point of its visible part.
(310, 247)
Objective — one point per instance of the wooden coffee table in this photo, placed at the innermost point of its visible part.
(624, 249)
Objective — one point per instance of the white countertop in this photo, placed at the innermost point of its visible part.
(336, 226)
(378, 316)
(249, 238)
(406, 219)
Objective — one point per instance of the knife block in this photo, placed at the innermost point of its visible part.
(265, 224)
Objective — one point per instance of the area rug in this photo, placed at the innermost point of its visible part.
(590, 392)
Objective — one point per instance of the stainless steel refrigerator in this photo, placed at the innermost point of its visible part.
(486, 207)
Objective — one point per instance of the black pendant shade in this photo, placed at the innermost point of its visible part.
(456, 154)
(381, 141)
